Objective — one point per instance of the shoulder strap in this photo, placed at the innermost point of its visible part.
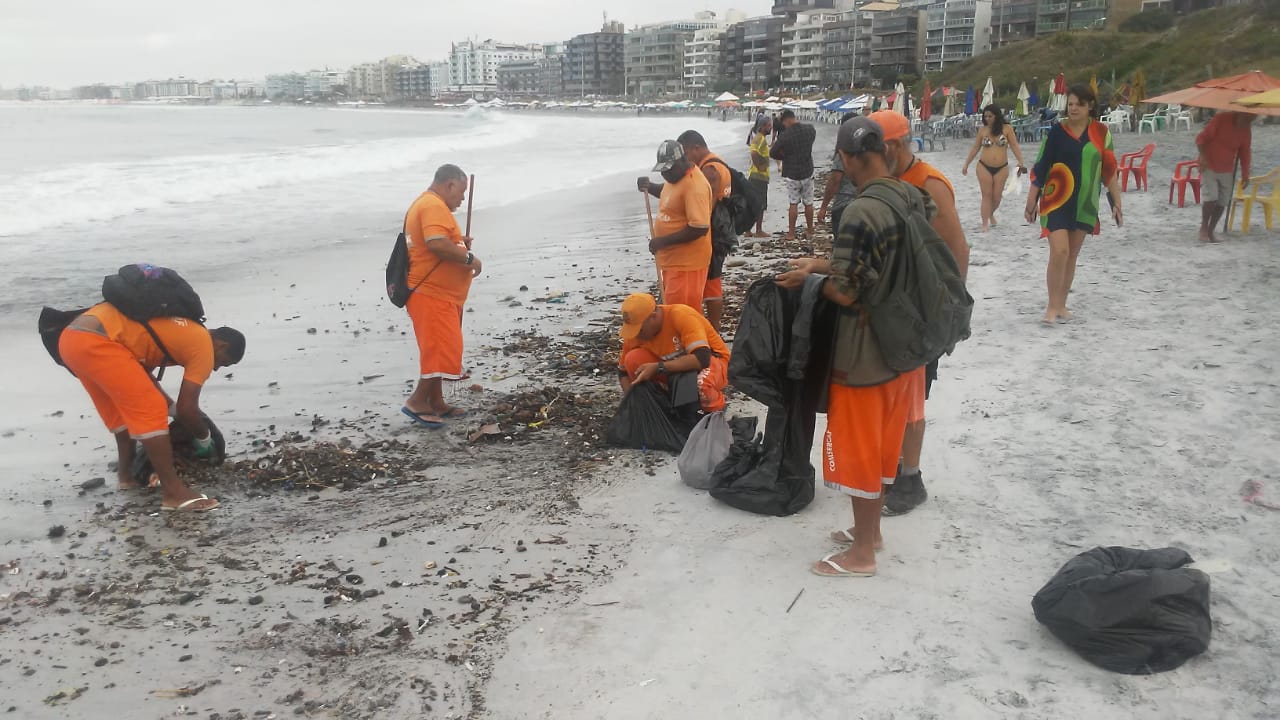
(163, 350)
(404, 232)
(888, 197)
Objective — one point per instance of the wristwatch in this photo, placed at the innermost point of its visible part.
(470, 256)
(662, 368)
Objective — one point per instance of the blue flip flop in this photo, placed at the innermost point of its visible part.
(419, 420)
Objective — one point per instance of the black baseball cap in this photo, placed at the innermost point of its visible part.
(668, 153)
(859, 135)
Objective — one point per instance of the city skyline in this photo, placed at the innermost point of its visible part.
(81, 42)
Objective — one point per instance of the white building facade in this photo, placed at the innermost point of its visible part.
(473, 66)
(956, 31)
(803, 48)
(702, 61)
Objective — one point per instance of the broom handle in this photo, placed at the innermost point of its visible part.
(471, 196)
(648, 210)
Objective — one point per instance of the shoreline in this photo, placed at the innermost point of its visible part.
(1042, 443)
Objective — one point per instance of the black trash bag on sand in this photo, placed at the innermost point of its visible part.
(1130, 611)
(184, 451)
(647, 419)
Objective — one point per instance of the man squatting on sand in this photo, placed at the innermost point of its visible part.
(869, 403)
(662, 340)
(113, 357)
(441, 267)
(908, 490)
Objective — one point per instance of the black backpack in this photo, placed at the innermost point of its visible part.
(398, 290)
(733, 215)
(51, 324)
(143, 292)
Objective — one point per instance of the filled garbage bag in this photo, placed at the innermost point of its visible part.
(708, 444)
(1129, 611)
(184, 450)
(647, 420)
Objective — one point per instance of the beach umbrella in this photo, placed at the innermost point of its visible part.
(1093, 83)
(949, 107)
(1060, 93)
(900, 103)
(1023, 96)
(926, 103)
(1268, 99)
(968, 101)
(1138, 94)
(1221, 93)
(988, 93)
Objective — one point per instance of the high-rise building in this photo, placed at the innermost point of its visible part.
(1057, 15)
(751, 52)
(519, 78)
(595, 63)
(279, 86)
(956, 31)
(473, 66)
(410, 80)
(803, 48)
(897, 42)
(702, 62)
(787, 7)
(655, 56)
(1012, 20)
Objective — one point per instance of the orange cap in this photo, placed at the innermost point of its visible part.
(894, 123)
(635, 310)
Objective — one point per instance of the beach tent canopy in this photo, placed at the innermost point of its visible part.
(1023, 96)
(471, 102)
(988, 93)
(1221, 93)
(726, 97)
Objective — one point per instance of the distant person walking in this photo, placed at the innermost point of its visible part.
(682, 229)
(794, 147)
(758, 176)
(441, 267)
(995, 138)
(1076, 160)
(1227, 138)
(840, 190)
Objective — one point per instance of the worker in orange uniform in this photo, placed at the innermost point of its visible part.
(717, 174)
(682, 232)
(661, 340)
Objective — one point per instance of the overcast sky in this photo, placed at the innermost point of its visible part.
(75, 42)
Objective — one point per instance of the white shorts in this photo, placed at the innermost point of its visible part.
(1215, 187)
(800, 191)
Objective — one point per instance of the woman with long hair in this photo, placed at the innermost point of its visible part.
(1076, 159)
(995, 138)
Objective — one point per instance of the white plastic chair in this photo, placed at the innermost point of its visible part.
(1148, 121)
(1178, 115)
(1118, 119)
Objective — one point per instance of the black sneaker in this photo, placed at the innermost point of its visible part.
(905, 495)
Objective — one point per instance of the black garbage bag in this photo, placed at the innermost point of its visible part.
(1130, 611)
(184, 450)
(646, 419)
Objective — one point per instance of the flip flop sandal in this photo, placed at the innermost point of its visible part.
(418, 419)
(839, 571)
(454, 414)
(844, 537)
(186, 506)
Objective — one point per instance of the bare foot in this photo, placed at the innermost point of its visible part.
(1204, 235)
(845, 564)
(125, 481)
(789, 237)
(993, 221)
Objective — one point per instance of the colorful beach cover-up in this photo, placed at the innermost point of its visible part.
(1072, 171)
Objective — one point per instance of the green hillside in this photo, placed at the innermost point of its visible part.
(1205, 44)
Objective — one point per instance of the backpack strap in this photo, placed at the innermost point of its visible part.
(404, 230)
(160, 344)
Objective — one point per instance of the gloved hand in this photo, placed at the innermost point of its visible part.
(204, 446)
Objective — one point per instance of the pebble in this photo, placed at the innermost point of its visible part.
(99, 662)
(255, 600)
(382, 542)
(185, 658)
(57, 531)
(93, 483)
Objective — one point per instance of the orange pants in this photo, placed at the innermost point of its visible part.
(915, 393)
(865, 426)
(712, 380)
(124, 394)
(437, 324)
(714, 289)
(684, 287)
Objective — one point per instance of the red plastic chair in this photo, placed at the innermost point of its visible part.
(1135, 163)
(1185, 173)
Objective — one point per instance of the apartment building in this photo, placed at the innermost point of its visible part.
(956, 30)
(285, 85)
(165, 89)
(751, 53)
(439, 77)
(1057, 15)
(1012, 21)
(595, 63)
(787, 7)
(847, 46)
(473, 66)
(654, 56)
(897, 42)
(702, 62)
(409, 81)
(803, 47)
(519, 78)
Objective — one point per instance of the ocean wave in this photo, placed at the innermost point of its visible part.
(103, 191)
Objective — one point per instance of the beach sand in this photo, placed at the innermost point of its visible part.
(636, 597)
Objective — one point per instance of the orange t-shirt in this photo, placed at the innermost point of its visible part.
(187, 341)
(429, 217)
(683, 331)
(723, 186)
(920, 171)
(685, 203)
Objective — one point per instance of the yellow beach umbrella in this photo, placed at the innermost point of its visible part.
(1268, 99)
(1139, 92)
(1093, 83)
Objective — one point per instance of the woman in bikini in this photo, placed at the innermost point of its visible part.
(994, 140)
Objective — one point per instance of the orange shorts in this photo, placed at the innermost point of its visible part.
(865, 426)
(714, 289)
(684, 287)
(915, 411)
(437, 324)
(121, 389)
(712, 380)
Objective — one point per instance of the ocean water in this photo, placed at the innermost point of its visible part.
(87, 188)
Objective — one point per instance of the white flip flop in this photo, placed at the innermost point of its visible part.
(184, 506)
(839, 571)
